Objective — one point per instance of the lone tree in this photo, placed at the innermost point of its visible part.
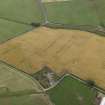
(35, 24)
(90, 83)
(102, 24)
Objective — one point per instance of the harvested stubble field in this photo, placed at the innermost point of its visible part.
(79, 52)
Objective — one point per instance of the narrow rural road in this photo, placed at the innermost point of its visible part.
(82, 81)
(43, 10)
(56, 82)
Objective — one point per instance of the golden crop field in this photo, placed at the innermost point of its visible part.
(79, 52)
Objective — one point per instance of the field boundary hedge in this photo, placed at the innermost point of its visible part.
(97, 88)
(17, 35)
(89, 28)
(84, 81)
(24, 73)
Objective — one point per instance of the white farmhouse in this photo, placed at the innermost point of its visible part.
(103, 101)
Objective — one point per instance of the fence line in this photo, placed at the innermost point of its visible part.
(77, 78)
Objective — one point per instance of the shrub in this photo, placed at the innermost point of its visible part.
(102, 24)
(36, 24)
(90, 83)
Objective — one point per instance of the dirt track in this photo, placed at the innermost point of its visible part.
(81, 53)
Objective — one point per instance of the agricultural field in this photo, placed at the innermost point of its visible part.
(72, 92)
(26, 11)
(76, 12)
(22, 81)
(19, 88)
(32, 99)
(33, 57)
(81, 53)
(10, 29)
(16, 17)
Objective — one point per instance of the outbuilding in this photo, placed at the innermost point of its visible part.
(103, 101)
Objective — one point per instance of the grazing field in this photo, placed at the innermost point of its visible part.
(47, 1)
(81, 53)
(19, 88)
(26, 11)
(10, 29)
(72, 92)
(76, 12)
(16, 17)
(33, 99)
(12, 80)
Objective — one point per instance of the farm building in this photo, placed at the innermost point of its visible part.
(103, 101)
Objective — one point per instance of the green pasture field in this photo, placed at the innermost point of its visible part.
(99, 6)
(9, 29)
(19, 88)
(16, 17)
(26, 11)
(72, 92)
(13, 80)
(29, 99)
(76, 12)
